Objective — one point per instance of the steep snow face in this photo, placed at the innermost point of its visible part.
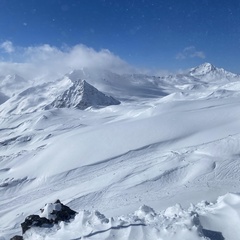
(34, 98)
(82, 95)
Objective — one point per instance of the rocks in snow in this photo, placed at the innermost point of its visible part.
(35, 221)
(57, 212)
(175, 223)
(51, 214)
(17, 237)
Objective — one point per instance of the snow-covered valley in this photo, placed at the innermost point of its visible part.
(172, 140)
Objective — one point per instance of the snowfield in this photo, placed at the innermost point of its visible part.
(172, 140)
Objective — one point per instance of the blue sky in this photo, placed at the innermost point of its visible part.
(157, 34)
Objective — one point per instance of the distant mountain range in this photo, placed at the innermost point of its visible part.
(76, 90)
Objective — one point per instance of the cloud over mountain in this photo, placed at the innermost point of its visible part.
(7, 47)
(53, 61)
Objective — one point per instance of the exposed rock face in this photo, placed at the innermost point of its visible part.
(17, 237)
(35, 221)
(56, 212)
(51, 214)
(82, 95)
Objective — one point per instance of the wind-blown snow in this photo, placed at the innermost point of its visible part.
(173, 139)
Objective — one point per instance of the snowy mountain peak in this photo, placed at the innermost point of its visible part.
(209, 73)
(84, 84)
(82, 95)
(203, 69)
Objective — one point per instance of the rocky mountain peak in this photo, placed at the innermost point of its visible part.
(82, 95)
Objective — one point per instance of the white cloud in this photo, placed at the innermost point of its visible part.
(190, 52)
(7, 46)
(46, 60)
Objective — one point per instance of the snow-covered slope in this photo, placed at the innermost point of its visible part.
(173, 139)
(34, 98)
(58, 94)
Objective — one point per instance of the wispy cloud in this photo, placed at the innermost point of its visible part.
(51, 61)
(190, 52)
(7, 47)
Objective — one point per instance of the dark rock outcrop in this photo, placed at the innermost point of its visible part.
(63, 213)
(51, 214)
(35, 221)
(17, 237)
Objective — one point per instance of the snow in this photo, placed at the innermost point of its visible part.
(172, 140)
(140, 225)
(48, 209)
(173, 223)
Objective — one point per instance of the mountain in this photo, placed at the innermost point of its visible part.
(82, 95)
(34, 98)
(122, 86)
(205, 80)
(173, 139)
(62, 93)
(208, 72)
(202, 69)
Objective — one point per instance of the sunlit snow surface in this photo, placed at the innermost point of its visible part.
(174, 223)
(171, 140)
